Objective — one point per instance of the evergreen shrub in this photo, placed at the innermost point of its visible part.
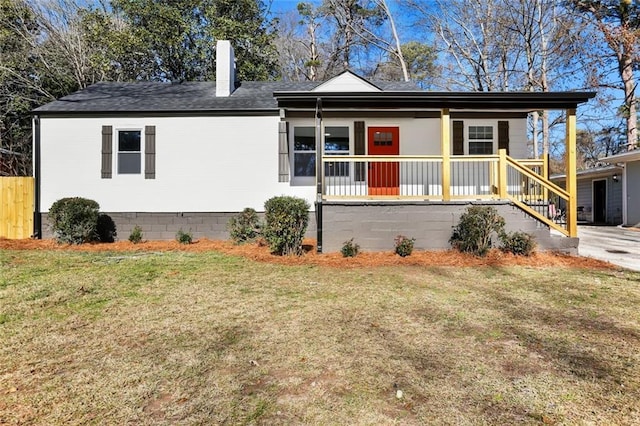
(245, 227)
(286, 220)
(74, 220)
(475, 228)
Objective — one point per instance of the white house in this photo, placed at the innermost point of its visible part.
(374, 159)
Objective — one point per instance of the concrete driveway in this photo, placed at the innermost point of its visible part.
(620, 246)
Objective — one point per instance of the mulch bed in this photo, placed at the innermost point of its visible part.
(261, 253)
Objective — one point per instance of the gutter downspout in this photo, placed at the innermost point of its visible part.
(319, 174)
(37, 217)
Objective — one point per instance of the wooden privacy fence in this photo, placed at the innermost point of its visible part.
(16, 207)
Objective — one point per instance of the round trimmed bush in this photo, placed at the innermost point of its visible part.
(286, 220)
(74, 220)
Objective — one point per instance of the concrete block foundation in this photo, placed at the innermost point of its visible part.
(373, 225)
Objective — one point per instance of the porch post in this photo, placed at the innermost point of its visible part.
(502, 174)
(445, 149)
(570, 166)
(319, 170)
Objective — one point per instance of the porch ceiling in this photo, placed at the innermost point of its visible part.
(506, 101)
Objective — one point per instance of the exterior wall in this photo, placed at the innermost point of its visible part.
(164, 226)
(517, 134)
(418, 136)
(632, 170)
(374, 225)
(585, 198)
(203, 164)
(614, 201)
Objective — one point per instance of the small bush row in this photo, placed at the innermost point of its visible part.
(475, 229)
(78, 220)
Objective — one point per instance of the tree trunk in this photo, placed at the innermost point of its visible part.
(626, 72)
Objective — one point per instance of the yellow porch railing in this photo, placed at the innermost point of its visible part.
(469, 177)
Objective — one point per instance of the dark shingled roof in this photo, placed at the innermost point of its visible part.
(140, 97)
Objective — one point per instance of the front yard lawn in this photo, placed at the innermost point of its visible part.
(207, 338)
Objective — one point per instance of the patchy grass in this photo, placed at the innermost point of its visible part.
(190, 338)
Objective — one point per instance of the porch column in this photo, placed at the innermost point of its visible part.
(570, 166)
(319, 176)
(445, 149)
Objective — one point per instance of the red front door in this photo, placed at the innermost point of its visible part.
(384, 177)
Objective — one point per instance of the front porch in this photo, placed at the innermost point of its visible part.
(437, 151)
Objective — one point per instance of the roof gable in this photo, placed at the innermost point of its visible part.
(347, 82)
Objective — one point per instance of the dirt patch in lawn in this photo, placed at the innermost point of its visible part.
(260, 253)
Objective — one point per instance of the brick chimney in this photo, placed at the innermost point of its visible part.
(225, 69)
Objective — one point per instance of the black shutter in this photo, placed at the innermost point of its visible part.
(359, 148)
(107, 152)
(150, 152)
(283, 152)
(503, 135)
(458, 138)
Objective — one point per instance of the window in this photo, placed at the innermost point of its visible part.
(336, 142)
(304, 151)
(480, 140)
(129, 152)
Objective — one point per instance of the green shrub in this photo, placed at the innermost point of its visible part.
(286, 222)
(474, 230)
(136, 235)
(184, 237)
(106, 228)
(350, 249)
(244, 227)
(518, 243)
(404, 245)
(74, 220)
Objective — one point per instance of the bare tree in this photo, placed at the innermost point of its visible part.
(346, 34)
(619, 22)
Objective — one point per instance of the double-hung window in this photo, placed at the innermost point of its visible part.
(480, 140)
(336, 142)
(129, 152)
(304, 151)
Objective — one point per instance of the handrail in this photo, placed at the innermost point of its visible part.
(545, 190)
(381, 158)
(535, 176)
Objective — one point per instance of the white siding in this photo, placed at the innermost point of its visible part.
(632, 170)
(206, 164)
(203, 164)
(421, 136)
(517, 134)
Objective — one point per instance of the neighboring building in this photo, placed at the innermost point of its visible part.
(374, 159)
(630, 163)
(599, 194)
